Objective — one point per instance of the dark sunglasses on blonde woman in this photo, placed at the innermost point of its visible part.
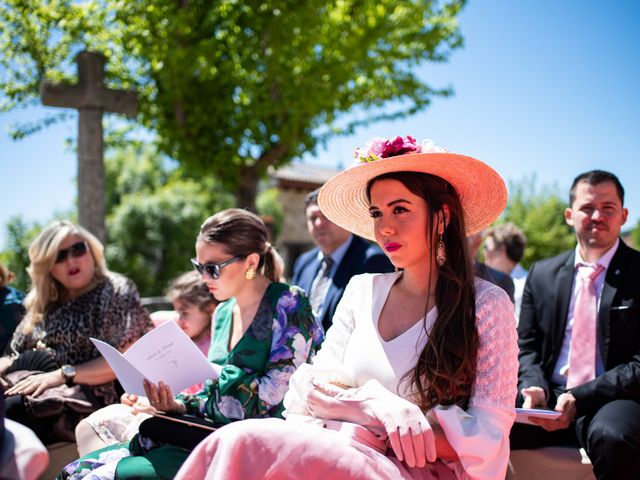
(76, 250)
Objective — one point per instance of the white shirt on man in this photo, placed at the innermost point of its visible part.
(519, 277)
(561, 369)
(337, 256)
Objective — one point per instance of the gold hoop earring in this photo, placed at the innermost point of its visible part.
(441, 253)
(250, 274)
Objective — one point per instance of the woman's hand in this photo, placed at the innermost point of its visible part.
(35, 385)
(410, 434)
(376, 408)
(161, 398)
(128, 399)
(137, 403)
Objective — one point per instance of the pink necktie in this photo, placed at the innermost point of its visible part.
(582, 354)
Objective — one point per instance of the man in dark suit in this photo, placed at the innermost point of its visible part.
(484, 271)
(346, 254)
(597, 390)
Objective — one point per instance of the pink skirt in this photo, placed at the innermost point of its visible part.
(279, 450)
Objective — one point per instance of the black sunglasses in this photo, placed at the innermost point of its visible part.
(76, 250)
(213, 269)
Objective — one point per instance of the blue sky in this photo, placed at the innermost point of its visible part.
(543, 88)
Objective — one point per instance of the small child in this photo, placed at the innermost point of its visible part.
(194, 306)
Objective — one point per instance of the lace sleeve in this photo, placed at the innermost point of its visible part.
(497, 368)
(480, 435)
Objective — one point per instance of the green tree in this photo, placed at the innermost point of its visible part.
(540, 215)
(268, 205)
(154, 215)
(233, 87)
(19, 235)
(635, 235)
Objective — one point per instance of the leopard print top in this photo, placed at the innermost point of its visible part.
(110, 312)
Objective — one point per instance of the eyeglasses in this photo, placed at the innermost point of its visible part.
(213, 269)
(76, 250)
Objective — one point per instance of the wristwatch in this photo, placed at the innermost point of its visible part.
(69, 373)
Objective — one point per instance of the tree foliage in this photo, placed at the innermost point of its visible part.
(540, 215)
(269, 207)
(634, 235)
(16, 255)
(233, 87)
(154, 215)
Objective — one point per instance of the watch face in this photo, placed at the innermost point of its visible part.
(68, 371)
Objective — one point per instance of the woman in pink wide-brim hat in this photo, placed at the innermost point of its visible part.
(417, 376)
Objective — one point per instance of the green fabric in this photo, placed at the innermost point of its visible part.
(87, 463)
(162, 462)
(255, 373)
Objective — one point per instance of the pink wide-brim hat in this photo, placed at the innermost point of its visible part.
(482, 192)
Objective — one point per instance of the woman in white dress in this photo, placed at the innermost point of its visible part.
(417, 376)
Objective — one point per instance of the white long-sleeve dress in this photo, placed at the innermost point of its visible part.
(354, 350)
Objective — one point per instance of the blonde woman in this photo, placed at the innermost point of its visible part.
(73, 297)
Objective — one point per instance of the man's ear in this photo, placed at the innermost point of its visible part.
(568, 216)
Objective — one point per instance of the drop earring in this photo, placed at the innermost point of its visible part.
(441, 253)
(250, 274)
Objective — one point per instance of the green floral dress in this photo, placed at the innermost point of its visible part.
(254, 378)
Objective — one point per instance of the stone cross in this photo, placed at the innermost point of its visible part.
(92, 99)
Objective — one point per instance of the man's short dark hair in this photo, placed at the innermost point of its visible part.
(311, 198)
(596, 177)
(513, 239)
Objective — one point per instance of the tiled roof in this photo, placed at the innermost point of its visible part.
(305, 173)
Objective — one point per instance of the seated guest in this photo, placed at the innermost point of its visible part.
(580, 336)
(58, 375)
(263, 331)
(484, 271)
(11, 307)
(323, 272)
(504, 246)
(417, 376)
(117, 423)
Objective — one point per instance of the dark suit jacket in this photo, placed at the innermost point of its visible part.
(543, 319)
(360, 257)
(496, 277)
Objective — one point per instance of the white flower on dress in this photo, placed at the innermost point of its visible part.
(272, 387)
(231, 408)
(114, 455)
(301, 349)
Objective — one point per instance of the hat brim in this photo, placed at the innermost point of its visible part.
(482, 192)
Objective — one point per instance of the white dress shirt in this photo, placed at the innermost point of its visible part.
(561, 369)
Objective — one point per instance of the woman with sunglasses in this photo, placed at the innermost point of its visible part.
(56, 374)
(263, 331)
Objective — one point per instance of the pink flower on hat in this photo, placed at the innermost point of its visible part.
(378, 148)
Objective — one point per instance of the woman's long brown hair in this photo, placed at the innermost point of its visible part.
(447, 365)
